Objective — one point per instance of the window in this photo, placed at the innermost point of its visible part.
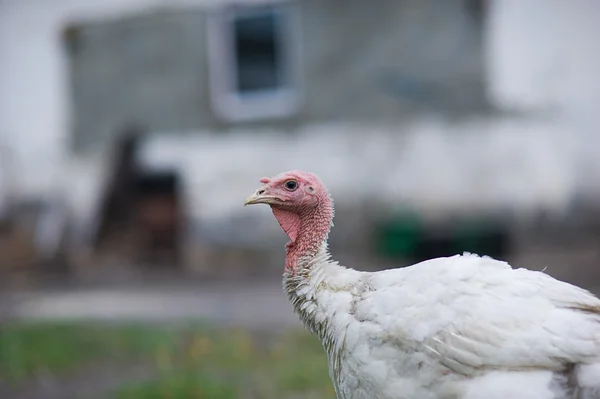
(254, 61)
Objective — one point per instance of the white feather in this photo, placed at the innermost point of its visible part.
(465, 327)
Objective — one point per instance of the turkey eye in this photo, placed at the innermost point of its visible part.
(290, 185)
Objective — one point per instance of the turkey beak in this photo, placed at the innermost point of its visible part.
(259, 197)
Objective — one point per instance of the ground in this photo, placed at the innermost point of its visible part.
(163, 340)
(48, 360)
(258, 305)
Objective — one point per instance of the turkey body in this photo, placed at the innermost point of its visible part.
(462, 327)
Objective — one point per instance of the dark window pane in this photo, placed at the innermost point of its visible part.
(257, 52)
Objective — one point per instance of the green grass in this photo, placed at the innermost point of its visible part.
(27, 349)
(190, 361)
(233, 364)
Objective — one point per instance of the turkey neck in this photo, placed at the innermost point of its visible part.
(308, 231)
(307, 263)
(317, 286)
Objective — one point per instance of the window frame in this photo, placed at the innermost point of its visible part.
(227, 102)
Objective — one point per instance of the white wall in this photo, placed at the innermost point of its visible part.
(542, 55)
(34, 97)
(473, 166)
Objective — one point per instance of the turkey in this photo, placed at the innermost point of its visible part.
(460, 327)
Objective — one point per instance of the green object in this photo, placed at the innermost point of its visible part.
(406, 236)
(399, 236)
(477, 236)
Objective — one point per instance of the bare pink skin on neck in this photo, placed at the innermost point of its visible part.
(307, 230)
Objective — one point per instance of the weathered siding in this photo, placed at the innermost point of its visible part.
(382, 60)
(150, 70)
(375, 61)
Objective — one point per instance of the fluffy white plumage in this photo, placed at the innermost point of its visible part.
(460, 327)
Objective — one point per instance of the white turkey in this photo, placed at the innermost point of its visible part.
(461, 327)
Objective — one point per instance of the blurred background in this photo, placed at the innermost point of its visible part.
(131, 131)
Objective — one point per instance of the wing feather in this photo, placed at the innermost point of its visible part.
(474, 314)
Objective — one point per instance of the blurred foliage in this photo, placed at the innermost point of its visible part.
(30, 349)
(188, 361)
(235, 364)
